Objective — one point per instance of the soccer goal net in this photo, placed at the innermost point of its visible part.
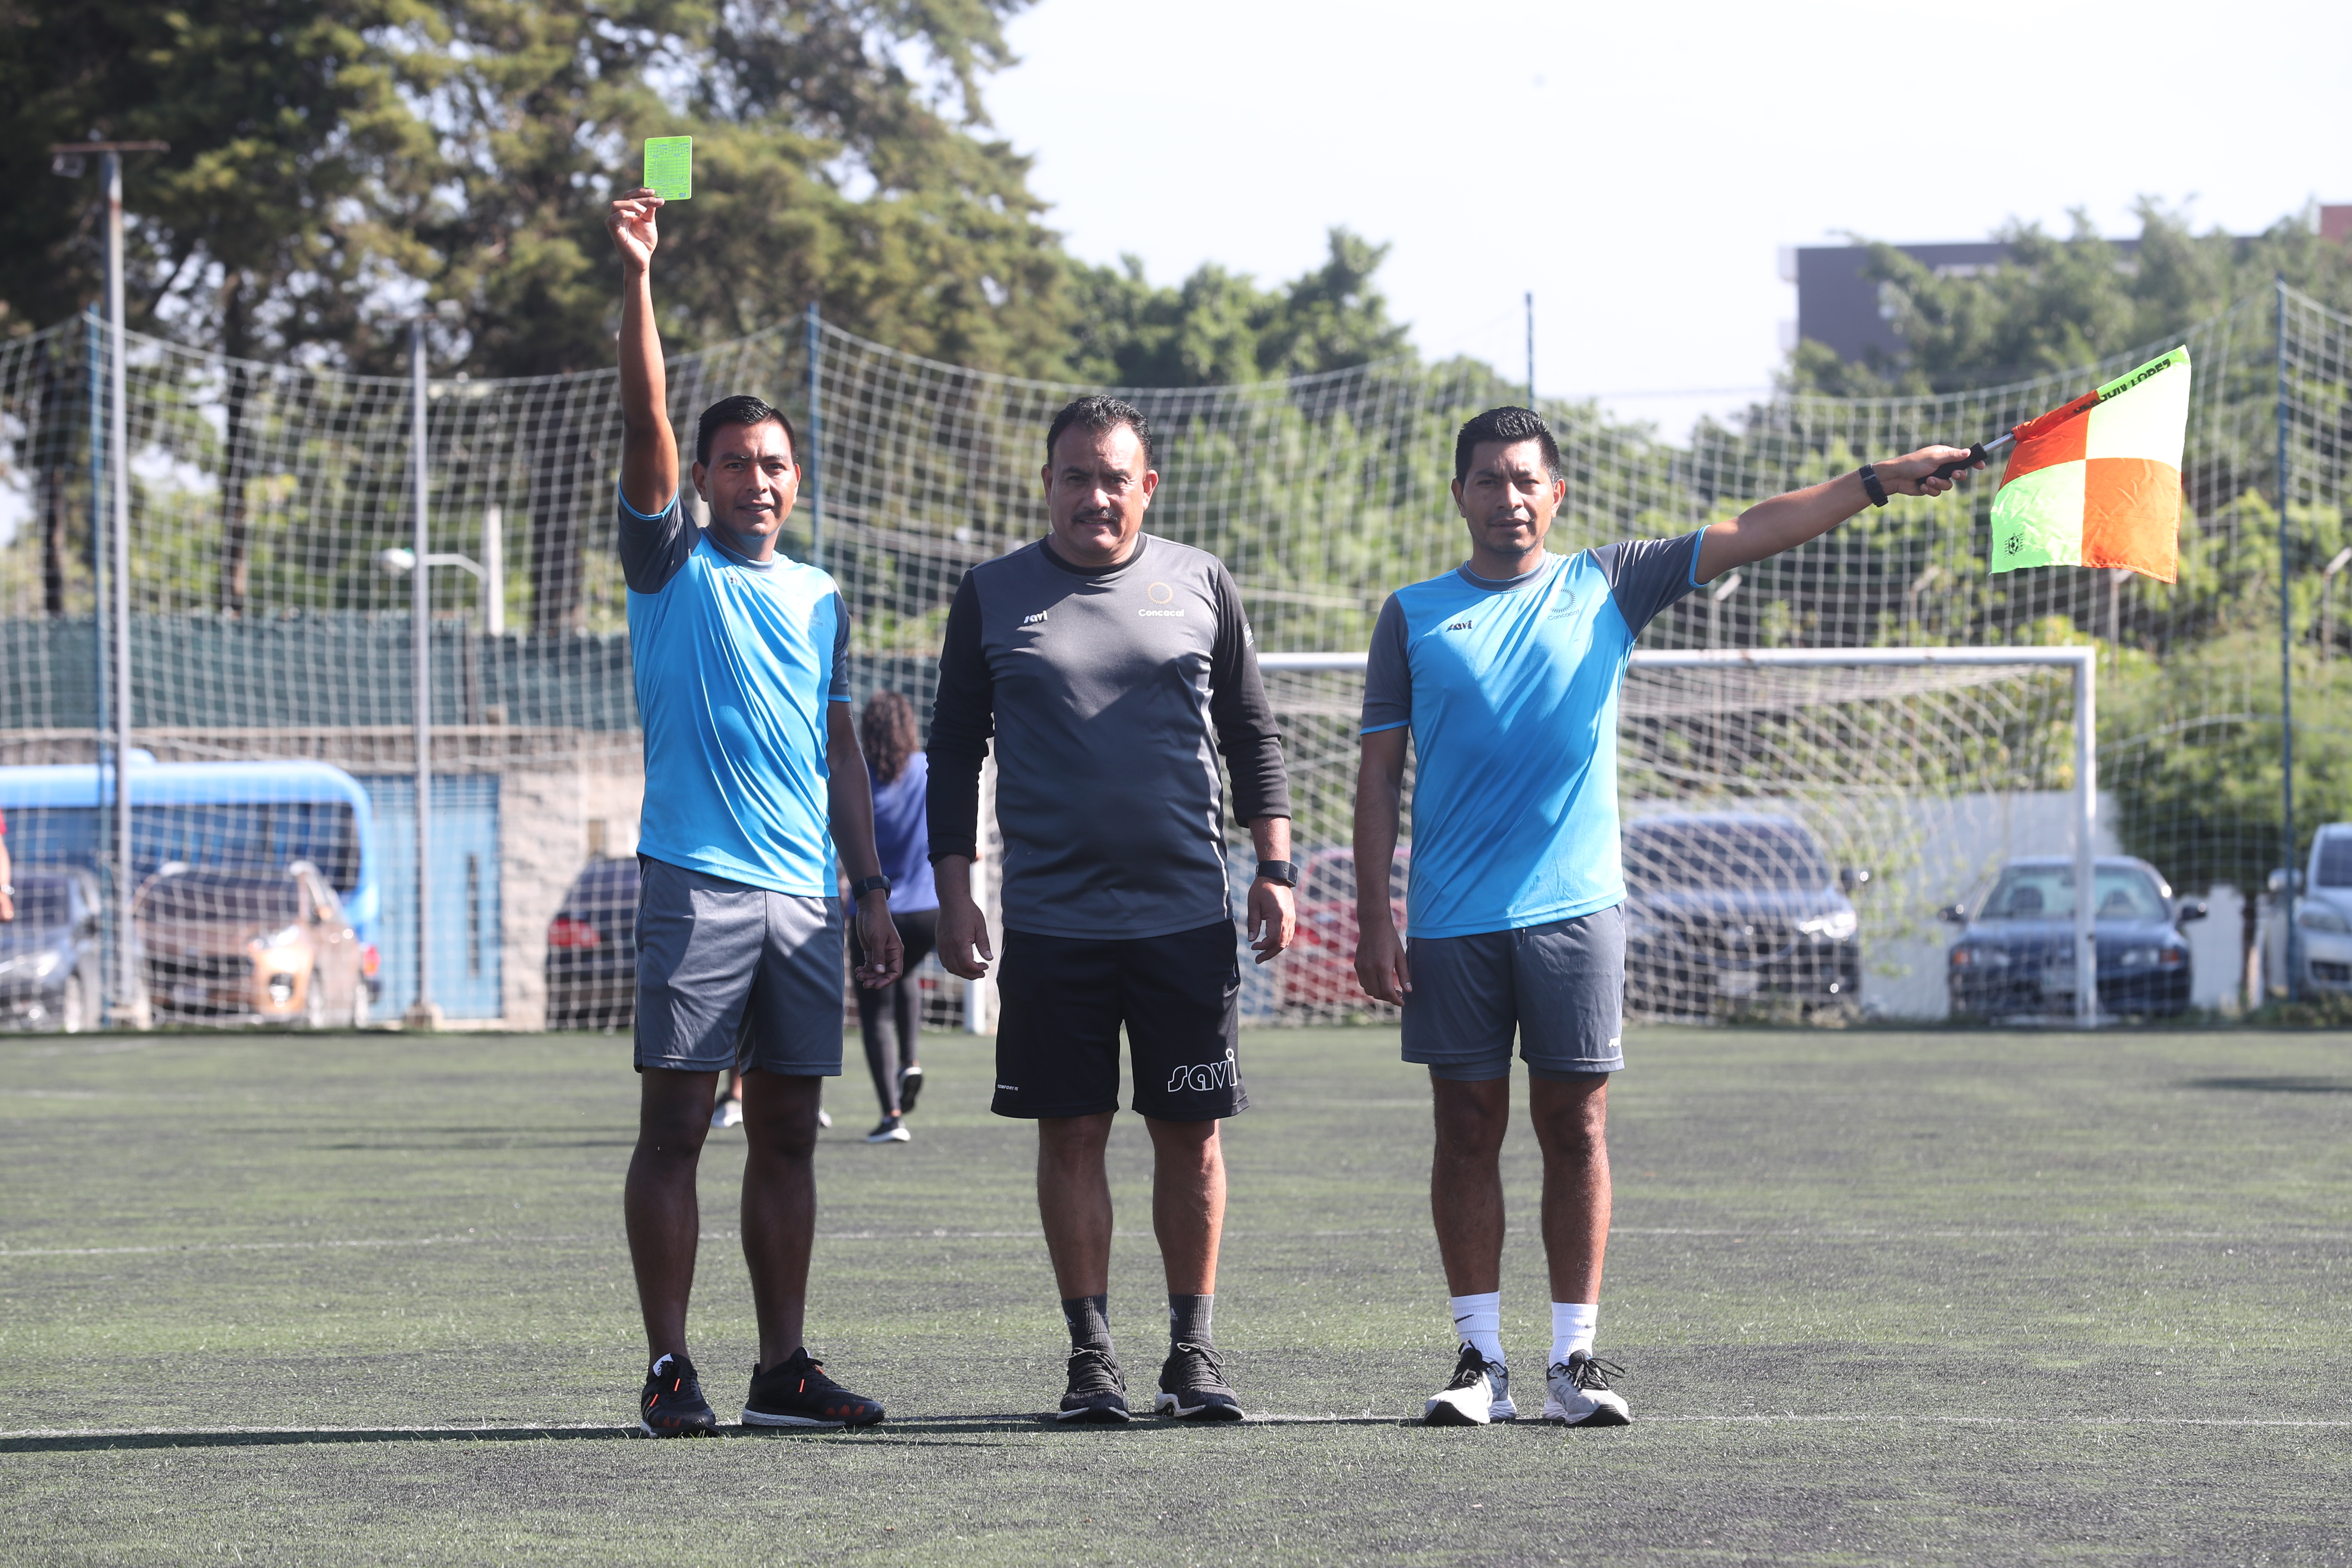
(466, 782)
(1796, 823)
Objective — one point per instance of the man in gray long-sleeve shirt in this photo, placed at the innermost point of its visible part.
(1111, 666)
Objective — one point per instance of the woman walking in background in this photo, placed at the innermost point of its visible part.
(891, 1017)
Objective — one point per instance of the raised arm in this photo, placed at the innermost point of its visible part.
(1785, 521)
(649, 446)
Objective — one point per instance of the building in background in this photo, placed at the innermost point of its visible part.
(1854, 314)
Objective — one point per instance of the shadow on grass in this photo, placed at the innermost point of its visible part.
(942, 1426)
(2284, 1084)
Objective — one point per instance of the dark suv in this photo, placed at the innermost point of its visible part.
(591, 950)
(49, 953)
(1729, 912)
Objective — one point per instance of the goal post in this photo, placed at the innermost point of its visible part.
(2077, 662)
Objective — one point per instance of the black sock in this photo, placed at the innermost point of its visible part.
(1088, 1318)
(1188, 1319)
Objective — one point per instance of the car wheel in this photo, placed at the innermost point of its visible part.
(73, 1006)
(314, 1001)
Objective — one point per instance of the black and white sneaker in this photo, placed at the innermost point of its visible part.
(910, 1086)
(795, 1392)
(1471, 1396)
(1577, 1394)
(672, 1404)
(1192, 1386)
(889, 1130)
(1097, 1392)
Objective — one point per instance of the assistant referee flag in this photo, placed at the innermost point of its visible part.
(2098, 481)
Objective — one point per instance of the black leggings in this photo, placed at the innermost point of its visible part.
(890, 1018)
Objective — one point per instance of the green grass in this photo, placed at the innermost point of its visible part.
(1936, 1297)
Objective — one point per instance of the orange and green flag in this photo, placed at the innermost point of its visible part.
(2098, 481)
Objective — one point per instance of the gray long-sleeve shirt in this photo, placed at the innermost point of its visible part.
(1102, 688)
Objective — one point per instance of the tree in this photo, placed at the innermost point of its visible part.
(1218, 328)
(2059, 303)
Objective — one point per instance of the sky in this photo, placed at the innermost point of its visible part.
(1639, 167)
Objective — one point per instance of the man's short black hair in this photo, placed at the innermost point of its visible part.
(740, 409)
(1510, 425)
(1099, 415)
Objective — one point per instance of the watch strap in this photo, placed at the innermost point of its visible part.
(1870, 483)
(1282, 871)
(866, 885)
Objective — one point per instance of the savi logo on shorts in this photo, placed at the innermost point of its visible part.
(1202, 1078)
(1033, 620)
(1461, 626)
(1161, 594)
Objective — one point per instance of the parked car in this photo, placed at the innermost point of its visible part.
(1734, 909)
(243, 946)
(50, 953)
(591, 950)
(1319, 970)
(2015, 952)
(2323, 916)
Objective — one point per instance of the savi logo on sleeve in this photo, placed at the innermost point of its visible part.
(1033, 619)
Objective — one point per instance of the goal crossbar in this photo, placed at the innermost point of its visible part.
(2083, 660)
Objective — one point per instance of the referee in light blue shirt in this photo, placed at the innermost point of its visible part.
(752, 778)
(1504, 673)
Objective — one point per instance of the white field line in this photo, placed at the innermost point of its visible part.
(1855, 1420)
(2244, 1238)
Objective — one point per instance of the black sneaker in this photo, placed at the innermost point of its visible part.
(672, 1404)
(910, 1088)
(889, 1130)
(1192, 1386)
(1097, 1392)
(795, 1392)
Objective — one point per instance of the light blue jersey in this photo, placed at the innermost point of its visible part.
(737, 662)
(1511, 691)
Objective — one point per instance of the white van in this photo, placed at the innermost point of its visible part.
(2323, 916)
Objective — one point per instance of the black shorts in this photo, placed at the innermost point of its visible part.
(1060, 1002)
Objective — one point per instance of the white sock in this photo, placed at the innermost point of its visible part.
(1573, 1323)
(658, 1365)
(1478, 1321)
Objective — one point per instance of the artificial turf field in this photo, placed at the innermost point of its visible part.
(1879, 1297)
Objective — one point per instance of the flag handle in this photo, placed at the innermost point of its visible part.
(1977, 454)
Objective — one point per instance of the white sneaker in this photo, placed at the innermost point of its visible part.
(728, 1112)
(1468, 1400)
(890, 1130)
(823, 1117)
(1577, 1394)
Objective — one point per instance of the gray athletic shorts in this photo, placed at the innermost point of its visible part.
(731, 975)
(1562, 987)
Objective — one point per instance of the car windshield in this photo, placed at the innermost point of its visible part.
(2336, 860)
(199, 896)
(2047, 892)
(1758, 854)
(42, 901)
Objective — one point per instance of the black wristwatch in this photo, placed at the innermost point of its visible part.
(865, 885)
(1870, 483)
(1282, 871)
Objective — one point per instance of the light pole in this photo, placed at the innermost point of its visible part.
(421, 1013)
(67, 160)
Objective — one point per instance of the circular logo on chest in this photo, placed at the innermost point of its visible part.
(1159, 593)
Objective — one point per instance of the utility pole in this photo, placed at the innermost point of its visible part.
(66, 158)
(1531, 348)
(2287, 668)
(421, 1013)
(811, 479)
